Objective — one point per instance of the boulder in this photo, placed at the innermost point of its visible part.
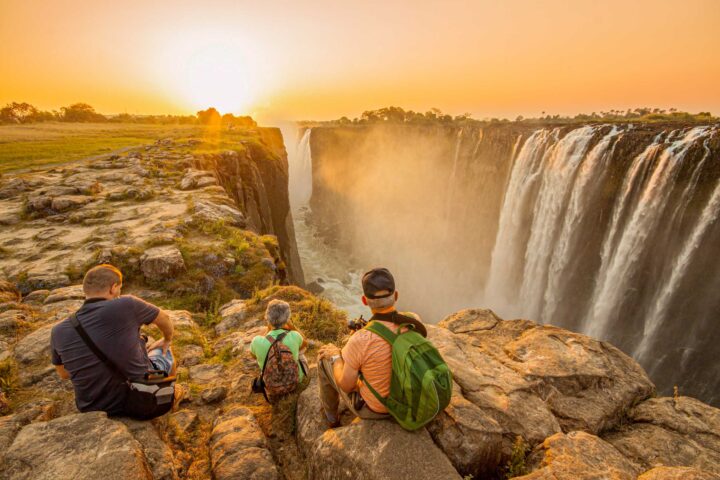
(43, 281)
(233, 314)
(54, 312)
(11, 320)
(206, 373)
(471, 438)
(677, 473)
(9, 292)
(69, 202)
(162, 263)
(80, 446)
(238, 449)
(680, 432)
(579, 456)
(529, 380)
(73, 292)
(197, 179)
(365, 449)
(36, 297)
(183, 422)
(35, 347)
(13, 188)
(157, 453)
(192, 355)
(235, 342)
(213, 394)
(206, 212)
(9, 218)
(10, 425)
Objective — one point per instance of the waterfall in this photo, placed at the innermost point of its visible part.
(321, 263)
(658, 314)
(508, 253)
(644, 217)
(583, 193)
(453, 174)
(553, 206)
(560, 165)
(300, 170)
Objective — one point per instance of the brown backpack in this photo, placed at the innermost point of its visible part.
(280, 371)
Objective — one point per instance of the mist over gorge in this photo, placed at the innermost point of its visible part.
(608, 230)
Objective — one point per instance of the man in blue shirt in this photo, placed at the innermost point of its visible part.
(113, 323)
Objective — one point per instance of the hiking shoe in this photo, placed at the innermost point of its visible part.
(179, 397)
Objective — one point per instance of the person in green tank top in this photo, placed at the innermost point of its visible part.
(277, 316)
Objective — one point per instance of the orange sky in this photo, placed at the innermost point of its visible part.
(323, 59)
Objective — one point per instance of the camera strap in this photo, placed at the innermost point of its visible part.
(94, 348)
(400, 319)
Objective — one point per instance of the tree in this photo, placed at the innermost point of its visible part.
(17, 113)
(209, 117)
(81, 112)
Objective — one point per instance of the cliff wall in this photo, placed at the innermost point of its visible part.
(255, 174)
(604, 229)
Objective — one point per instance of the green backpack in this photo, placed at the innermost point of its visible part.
(421, 383)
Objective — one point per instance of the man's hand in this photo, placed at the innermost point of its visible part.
(162, 344)
(328, 351)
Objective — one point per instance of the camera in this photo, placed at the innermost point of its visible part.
(357, 323)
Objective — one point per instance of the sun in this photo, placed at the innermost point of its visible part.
(215, 75)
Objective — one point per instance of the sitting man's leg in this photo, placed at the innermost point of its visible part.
(331, 394)
(163, 362)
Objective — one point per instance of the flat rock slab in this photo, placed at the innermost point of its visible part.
(238, 449)
(366, 449)
(580, 456)
(84, 446)
(528, 380)
(677, 473)
(158, 454)
(35, 347)
(206, 373)
(377, 450)
(162, 263)
(682, 432)
(73, 292)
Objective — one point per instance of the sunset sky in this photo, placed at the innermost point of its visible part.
(324, 59)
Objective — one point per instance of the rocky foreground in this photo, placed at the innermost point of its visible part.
(199, 233)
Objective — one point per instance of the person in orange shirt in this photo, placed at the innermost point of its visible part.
(367, 353)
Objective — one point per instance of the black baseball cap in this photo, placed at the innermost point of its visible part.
(378, 280)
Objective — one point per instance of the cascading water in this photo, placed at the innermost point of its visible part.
(608, 230)
(552, 209)
(321, 263)
(300, 169)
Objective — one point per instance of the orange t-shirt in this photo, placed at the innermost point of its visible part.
(371, 355)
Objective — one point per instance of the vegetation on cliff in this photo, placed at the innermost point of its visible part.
(397, 115)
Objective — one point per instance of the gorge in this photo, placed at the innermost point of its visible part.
(607, 230)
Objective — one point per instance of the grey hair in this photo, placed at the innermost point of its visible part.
(379, 303)
(277, 313)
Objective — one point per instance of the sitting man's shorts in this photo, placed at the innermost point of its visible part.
(160, 361)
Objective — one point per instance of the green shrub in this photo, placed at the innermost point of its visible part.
(8, 376)
(516, 466)
(317, 318)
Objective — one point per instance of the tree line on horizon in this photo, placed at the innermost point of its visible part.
(22, 113)
(397, 115)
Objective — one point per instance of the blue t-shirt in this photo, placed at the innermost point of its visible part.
(114, 326)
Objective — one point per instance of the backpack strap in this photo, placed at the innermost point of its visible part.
(387, 335)
(94, 348)
(379, 329)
